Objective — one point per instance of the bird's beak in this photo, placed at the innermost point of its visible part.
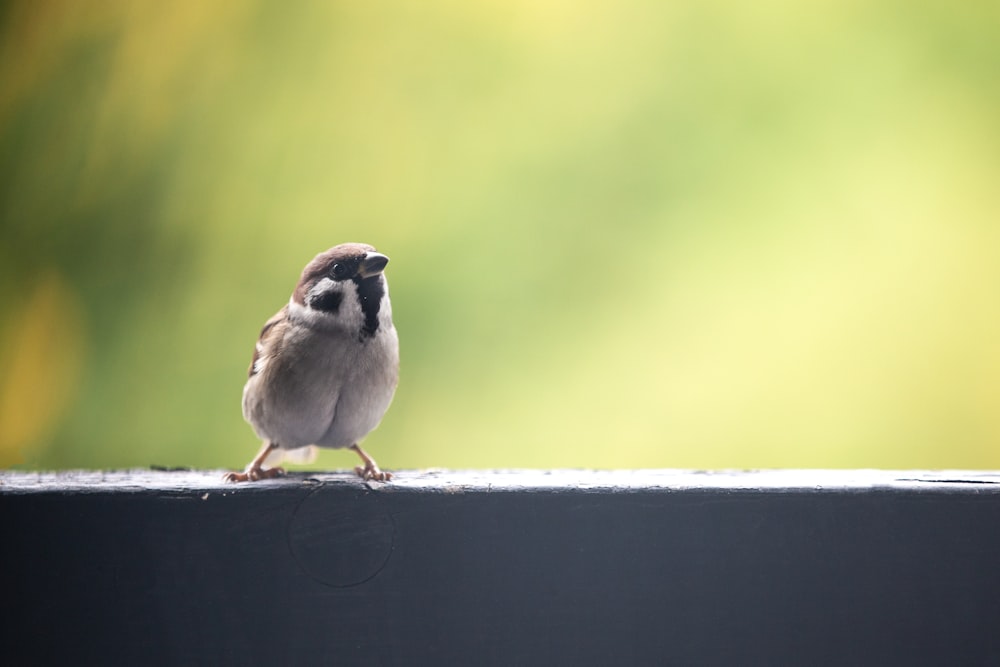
(372, 264)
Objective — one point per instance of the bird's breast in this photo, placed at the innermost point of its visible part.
(322, 388)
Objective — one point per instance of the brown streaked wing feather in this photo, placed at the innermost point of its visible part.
(258, 348)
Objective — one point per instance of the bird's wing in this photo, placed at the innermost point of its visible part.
(260, 349)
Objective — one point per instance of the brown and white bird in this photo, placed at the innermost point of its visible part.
(326, 365)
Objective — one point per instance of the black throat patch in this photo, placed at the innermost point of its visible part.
(328, 302)
(370, 293)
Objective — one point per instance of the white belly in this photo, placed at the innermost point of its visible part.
(333, 394)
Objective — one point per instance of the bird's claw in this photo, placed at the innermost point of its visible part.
(372, 473)
(253, 474)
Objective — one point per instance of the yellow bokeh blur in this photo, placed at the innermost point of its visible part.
(634, 234)
(40, 358)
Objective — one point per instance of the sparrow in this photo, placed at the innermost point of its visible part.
(326, 366)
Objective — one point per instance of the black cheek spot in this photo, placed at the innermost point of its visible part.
(328, 302)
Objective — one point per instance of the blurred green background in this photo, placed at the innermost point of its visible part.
(623, 234)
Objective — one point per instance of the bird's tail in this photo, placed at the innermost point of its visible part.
(300, 455)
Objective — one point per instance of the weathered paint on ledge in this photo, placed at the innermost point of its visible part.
(474, 481)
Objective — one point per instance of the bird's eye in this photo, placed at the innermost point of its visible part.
(339, 271)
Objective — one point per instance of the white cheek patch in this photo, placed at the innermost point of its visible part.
(348, 313)
(323, 285)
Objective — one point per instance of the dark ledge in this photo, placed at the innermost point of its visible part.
(566, 567)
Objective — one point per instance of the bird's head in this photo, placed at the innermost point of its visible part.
(347, 284)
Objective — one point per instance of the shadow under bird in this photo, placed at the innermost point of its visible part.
(326, 365)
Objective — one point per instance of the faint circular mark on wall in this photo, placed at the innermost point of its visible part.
(341, 540)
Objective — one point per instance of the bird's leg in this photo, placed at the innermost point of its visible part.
(254, 471)
(370, 471)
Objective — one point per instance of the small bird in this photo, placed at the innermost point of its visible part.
(326, 365)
